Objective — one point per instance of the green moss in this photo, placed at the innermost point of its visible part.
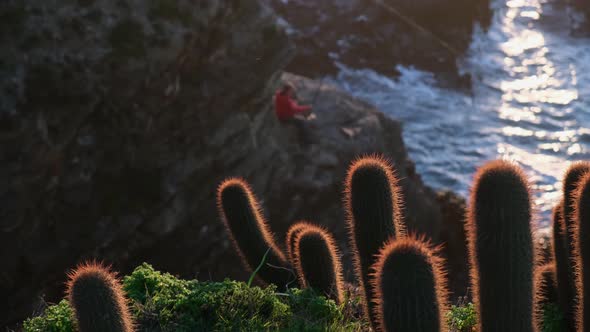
(127, 39)
(169, 10)
(57, 318)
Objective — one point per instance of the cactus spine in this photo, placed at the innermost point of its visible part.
(501, 248)
(570, 183)
(98, 300)
(582, 251)
(545, 283)
(410, 287)
(373, 204)
(252, 238)
(563, 274)
(317, 261)
(292, 233)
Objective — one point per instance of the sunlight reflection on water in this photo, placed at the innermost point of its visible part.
(527, 105)
(532, 81)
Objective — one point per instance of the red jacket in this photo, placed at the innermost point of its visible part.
(286, 108)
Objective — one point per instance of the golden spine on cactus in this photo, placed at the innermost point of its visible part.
(252, 238)
(570, 184)
(373, 204)
(545, 284)
(317, 261)
(501, 248)
(582, 251)
(98, 300)
(292, 233)
(410, 287)
(561, 257)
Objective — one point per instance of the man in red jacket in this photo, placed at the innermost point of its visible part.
(288, 111)
(285, 105)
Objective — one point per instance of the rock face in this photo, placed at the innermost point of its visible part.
(380, 34)
(119, 118)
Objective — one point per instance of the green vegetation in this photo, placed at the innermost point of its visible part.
(57, 318)
(162, 302)
(462, 318)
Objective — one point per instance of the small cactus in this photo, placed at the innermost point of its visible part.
(545, 284)
(563, 272)
(570, 184)
(373, 204)
(501, 248)
(292, 233)
(317, 261)
(252, 238)
(98, 300)
(410, 287)
(582, 251)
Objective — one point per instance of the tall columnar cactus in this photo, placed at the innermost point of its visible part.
(98, 300)
(252, 238)
(582, 251)
(292, 233)
(563, 268)
(410, 287)
(373, 204)
(545, 284)
(501, 248)
(570, 184)
(317, 261)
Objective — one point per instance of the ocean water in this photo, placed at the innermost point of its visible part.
(530, 103)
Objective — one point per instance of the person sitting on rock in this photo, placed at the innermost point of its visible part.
(286, 107)
(288, 111)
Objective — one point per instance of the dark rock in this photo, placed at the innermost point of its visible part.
(427, 34)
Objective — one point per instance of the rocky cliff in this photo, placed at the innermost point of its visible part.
(118, 119)
(381, 34)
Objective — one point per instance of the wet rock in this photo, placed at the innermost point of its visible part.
(429, 35)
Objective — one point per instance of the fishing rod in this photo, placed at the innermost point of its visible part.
(418, 27)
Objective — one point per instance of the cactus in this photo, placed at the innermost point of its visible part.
(97, 299)
(564, 275)
(373, 203)
(317, 261)
(291, 236)
(251, 236)
(501, 248)
(410, 287)
(582, 251)
(570, 183)
(545, 284)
